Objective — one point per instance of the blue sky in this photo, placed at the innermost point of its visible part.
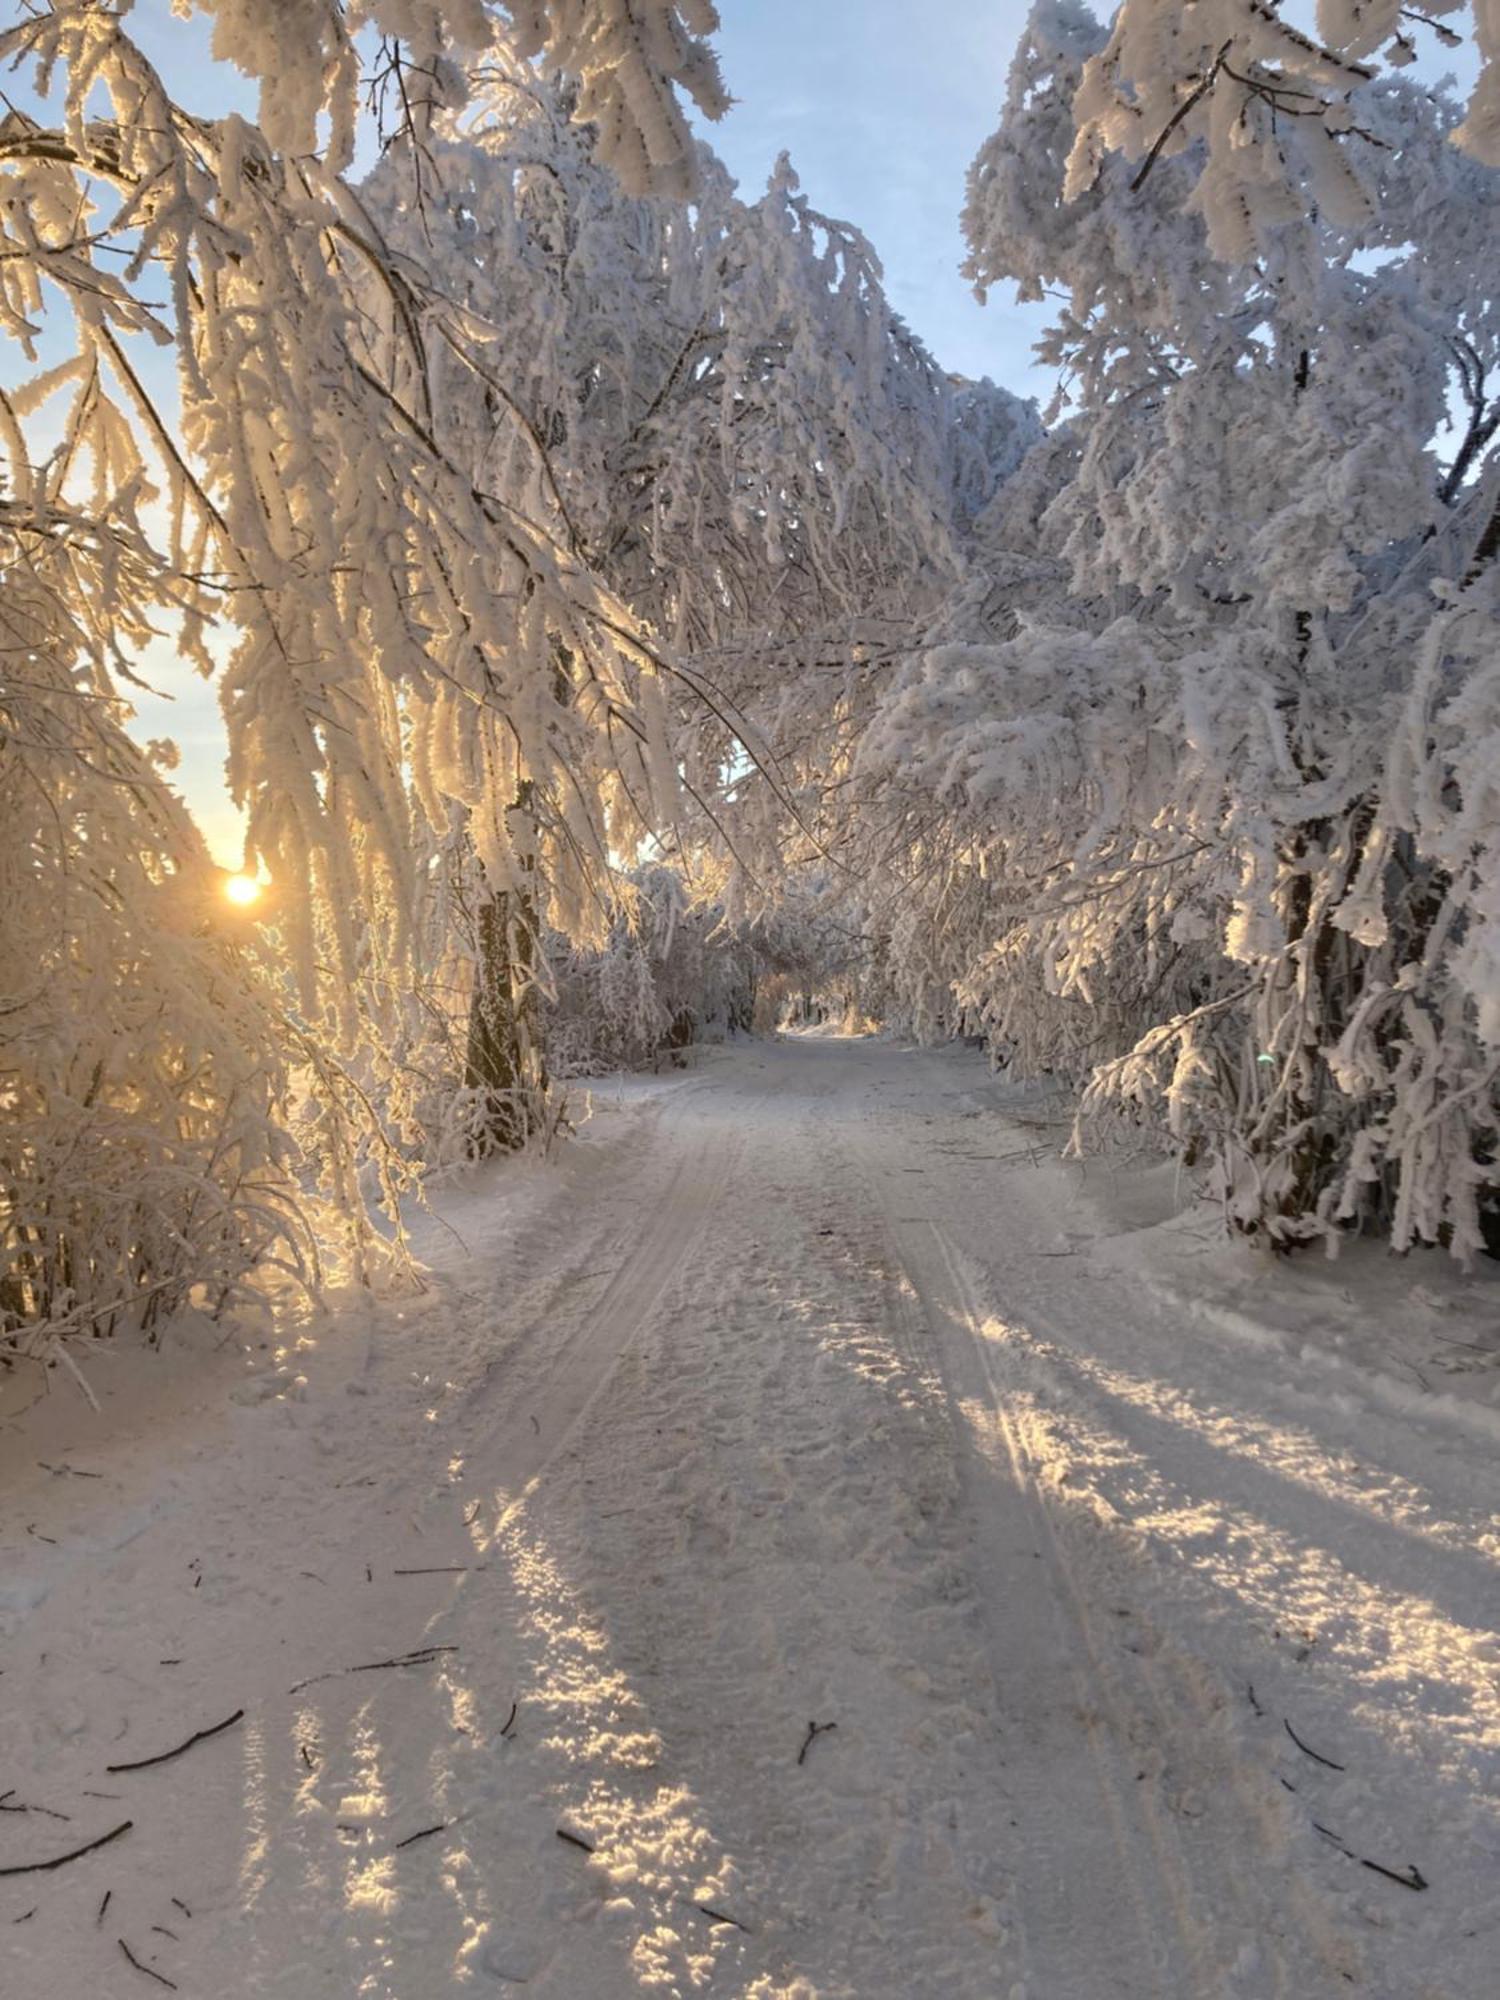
(882, 107)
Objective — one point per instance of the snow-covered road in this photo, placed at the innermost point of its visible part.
(1152, 1653)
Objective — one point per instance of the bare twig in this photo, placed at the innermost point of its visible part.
(1205, 85)
(423, 1656)
(720, 1917)
(160, 1977)
(425, 1833)
(1410, 1877)
(1306, 1751)
(166, 1756)
(46, 1811)
(76, 1854)
(814, 1730)
(575, 1840)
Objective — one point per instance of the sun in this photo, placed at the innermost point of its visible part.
(242, 889)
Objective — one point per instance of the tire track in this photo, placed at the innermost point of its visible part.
(1102, 1864)
(1290, 1936)
(546, 1409)
(1077, 1828)
(1143, 1827)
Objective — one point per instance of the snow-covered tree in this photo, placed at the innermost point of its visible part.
(1142, 773)
(733, 428)
(227, 434)
(1277, 124)
(745, 440)
(672, 972)
(630, 57)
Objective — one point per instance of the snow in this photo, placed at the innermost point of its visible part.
(810, 1387)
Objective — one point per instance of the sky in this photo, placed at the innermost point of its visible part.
(882, 107)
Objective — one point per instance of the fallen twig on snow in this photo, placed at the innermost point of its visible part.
(99, 1919)
(433, 1569)
(166, 1756)
(1411, 1877)
(510, 1721)
(150, 1972)
(1250, 1691)
(1308, 1751)
(46, 1811)
(720, 1917)
(425, 1833)
(575, 1840)
(77, 1853)
(423, 1656)
(814, 1730)
(1474, 1346)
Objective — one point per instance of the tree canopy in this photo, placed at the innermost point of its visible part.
(612, 603)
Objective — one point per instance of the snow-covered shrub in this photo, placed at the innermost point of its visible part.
(143, 1056)
(671, 973)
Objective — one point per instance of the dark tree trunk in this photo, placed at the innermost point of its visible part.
(506, 1058)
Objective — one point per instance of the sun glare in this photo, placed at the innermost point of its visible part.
(242, 889)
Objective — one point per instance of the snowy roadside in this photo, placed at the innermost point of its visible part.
(221, 1528)
(1420, 1332)
(1280, 1479)
(808, 1390)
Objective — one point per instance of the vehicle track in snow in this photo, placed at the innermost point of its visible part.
(762, 1406)
(558, 1378)
(1171, 1910)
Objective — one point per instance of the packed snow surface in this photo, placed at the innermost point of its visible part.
(812, 1543)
